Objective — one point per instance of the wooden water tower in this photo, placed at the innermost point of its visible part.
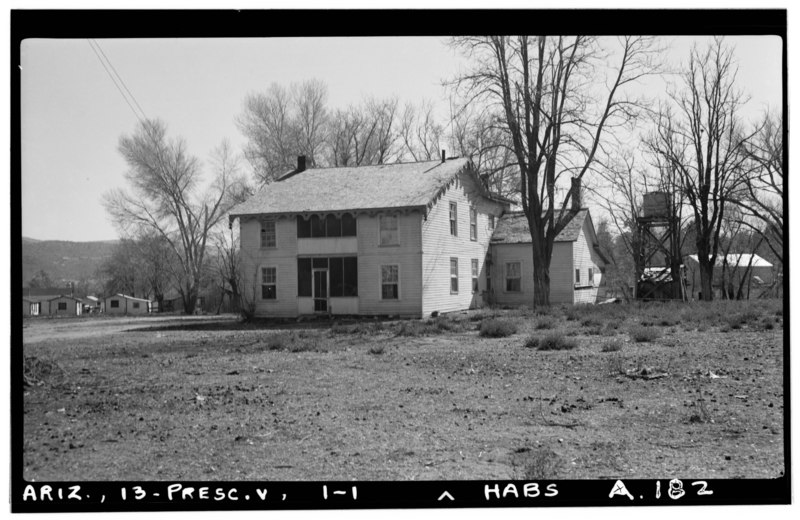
(659, 273)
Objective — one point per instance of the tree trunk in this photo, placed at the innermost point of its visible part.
(706, 279)
(541, 278)
(189, 300)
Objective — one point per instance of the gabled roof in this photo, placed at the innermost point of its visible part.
(381, 186)
(65, 296)
(45, 291)
(134, 298)
(739, 260)
(512, 228)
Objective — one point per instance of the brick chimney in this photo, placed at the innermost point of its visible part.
(576, 194)
(301, 163)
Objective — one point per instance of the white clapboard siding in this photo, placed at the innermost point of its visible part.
(585, 257)
(439, 245)
(283, 257)
(406, 255)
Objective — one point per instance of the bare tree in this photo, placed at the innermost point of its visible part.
(280, 124)
(364, 134)
(165, 198)
(556, 113)
(420, 133)
(310, 119)
(761, 200)
(699, 135)
(267, 123)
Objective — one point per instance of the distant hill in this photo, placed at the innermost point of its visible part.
(63, 260)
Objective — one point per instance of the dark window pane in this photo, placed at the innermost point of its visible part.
(268, 292)
(348, 225)
(317, 227)
(62, 306)
(334, 226)
(115, 303)
(304, 277)
(454, 285)
(319, 263)
(303, 227)
(350, 276)
(337, 276)
(389, 291)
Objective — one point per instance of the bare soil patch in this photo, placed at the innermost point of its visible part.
(212, 399)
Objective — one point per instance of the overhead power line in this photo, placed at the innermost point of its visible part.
(117, 80)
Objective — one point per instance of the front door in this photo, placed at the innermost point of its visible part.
(320, 290)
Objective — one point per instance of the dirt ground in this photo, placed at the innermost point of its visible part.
(208, 398)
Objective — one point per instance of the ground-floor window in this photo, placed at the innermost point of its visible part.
(62, 306)
(390, 282)
(269, 283)
(577, 276)
(474, 275)
(115, 304)
(591, 275)
(513, 277)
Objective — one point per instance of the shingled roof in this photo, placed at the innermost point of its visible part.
(513, 228)
(381, 186)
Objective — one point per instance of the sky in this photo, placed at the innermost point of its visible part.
(73, 114)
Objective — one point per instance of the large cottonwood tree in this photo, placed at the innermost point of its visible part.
(167, 198)
(558, 98)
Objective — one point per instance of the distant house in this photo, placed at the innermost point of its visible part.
(65, 306)
(92, 304)
(124, 304)
(35, 301)
(749, 271)
(576, 267)
(31, 306)
(402, 239)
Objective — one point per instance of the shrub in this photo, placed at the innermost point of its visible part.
(641, 334)
(36, 371)
(591, 322)
(545, 322)
(767, 324)
(496, 328)
(412, 328)
(376, 349)
(279, 341)
(536, 464)
(611, 346)
(553, 341)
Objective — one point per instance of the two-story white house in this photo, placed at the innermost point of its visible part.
(402, 239)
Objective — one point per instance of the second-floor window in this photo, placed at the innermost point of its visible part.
(473, 223)
(591, 275)
(388, 225)
(267, 233)
(491, 221)
(328, 226)
(453, 219)
(577, 276)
